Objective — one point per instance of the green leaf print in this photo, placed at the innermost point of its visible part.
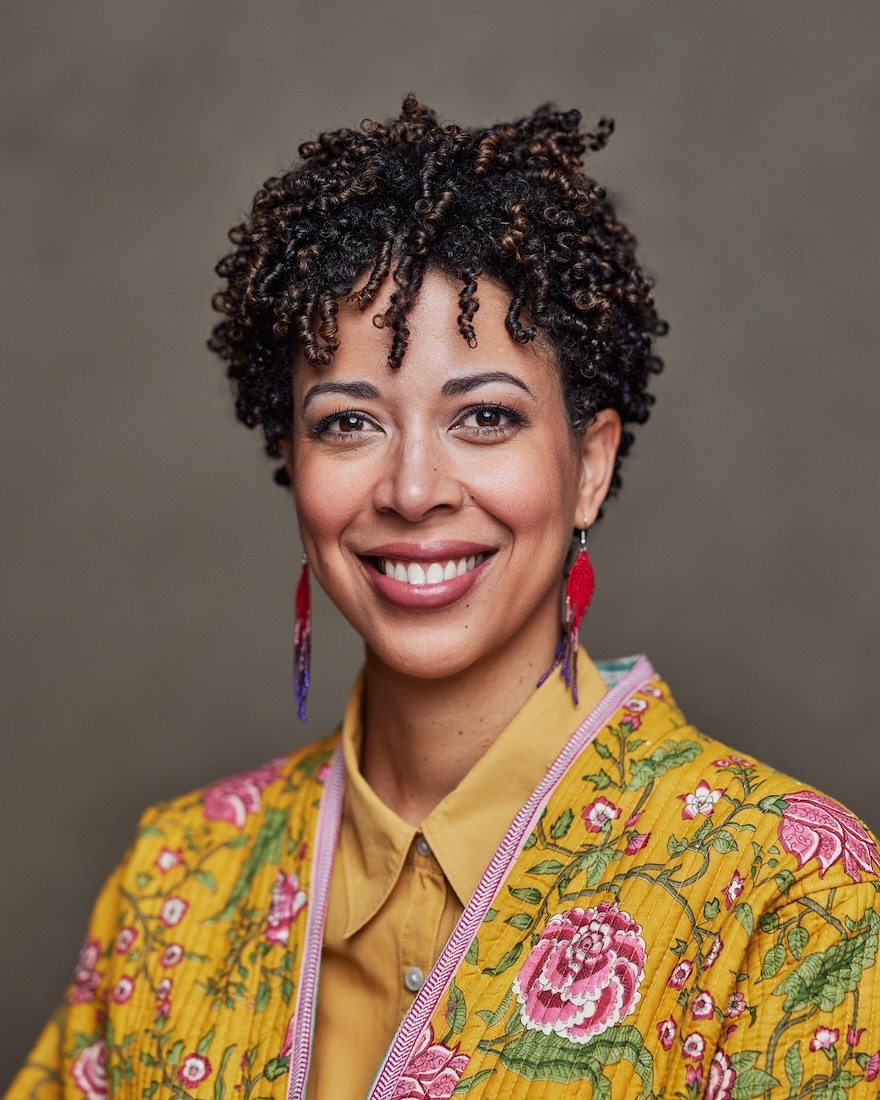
(676, 847)
(529, 894)
(520, 921)
(546, 867)
(600, 780)
(456, 1010)
(275, 1068)
(743, 913)
(266, 849)
(723, 842)
(539, 1057)
(473, 952)
(220, 1082)
(595, 863)
(492, 1018)
(506, 961)
(206, 879)
(825, 978)
(561, 825)
(660, 761)
(797, 940)
(773, 804)
(467, 1083)
(752, 1082)
(794, 1068)
(711, 909)
(204, 1044)
(773, 961)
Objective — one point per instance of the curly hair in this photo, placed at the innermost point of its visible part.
(510, 202)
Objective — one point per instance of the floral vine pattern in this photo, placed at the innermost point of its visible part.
(681, 923)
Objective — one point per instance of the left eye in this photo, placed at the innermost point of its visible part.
(490, 419)
(351, 423)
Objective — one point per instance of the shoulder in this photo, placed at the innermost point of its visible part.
(229, 814)
(699, 795)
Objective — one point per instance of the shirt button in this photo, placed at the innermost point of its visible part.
(413, 979)
(422, 846)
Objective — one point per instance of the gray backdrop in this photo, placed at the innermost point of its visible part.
(148, 562)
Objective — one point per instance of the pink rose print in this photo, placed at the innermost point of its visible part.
(86, 976)
(125, 939)
(639, 840)
(732, 762)
(322, 772)
(233, 799)
(666, 1030)
(700, 801)
(123, 989)
(824, 1038)
(722, 1076)
(599, 813)
(733, 889)
(636, 705)
(168, 859)
(287, 1046)
(853, 1037)
(816, 827)
(163, 998)
(872, 1067)
(90, 1071)
(583, 974)
(713, 953)
(703, 1007)
(680, 974)
(173, 911)
(433, 1070)
(694, 1046)
(193, 1069)
(172, 955)
(693, 1077)
(288, 901)
(736, 1005)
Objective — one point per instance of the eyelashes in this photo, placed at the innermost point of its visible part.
(491, 421)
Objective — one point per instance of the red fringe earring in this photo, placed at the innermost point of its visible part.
(302, 640)
(579, 587)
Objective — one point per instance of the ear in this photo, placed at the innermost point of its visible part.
(286, 448)
(598, 450)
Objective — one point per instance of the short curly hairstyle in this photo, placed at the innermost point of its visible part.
(509, 202)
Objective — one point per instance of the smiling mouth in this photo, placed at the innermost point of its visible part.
(428, 572)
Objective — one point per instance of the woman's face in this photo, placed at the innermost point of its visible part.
(436, 502)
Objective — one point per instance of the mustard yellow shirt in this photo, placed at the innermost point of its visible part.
(397, 891)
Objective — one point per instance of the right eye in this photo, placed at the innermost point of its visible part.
(344, 426)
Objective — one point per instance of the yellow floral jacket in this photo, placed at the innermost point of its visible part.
(663, 918)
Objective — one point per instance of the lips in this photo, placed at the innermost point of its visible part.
(427, 576)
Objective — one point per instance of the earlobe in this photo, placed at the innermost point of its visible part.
(598, 448)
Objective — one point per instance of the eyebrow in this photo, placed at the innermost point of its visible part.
(455, 387)
(363, 390)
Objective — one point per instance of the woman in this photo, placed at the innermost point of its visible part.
(515, 872)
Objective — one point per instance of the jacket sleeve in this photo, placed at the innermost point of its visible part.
(69, 1058)
(805, 1021)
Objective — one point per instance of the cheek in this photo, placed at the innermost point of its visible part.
(325, 500)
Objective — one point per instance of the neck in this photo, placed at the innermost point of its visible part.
(421, 737)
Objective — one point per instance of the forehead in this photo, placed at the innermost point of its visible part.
(436, 348)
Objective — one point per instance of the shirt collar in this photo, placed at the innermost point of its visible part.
(465, 828)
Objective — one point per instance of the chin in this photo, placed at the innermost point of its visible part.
(434, 660)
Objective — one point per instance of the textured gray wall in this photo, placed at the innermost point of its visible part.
(148, 563)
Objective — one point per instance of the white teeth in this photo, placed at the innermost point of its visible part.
(414, 573)
(433, 572)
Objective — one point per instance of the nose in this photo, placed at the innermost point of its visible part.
(420, 478)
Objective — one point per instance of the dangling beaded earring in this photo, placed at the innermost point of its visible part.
(302, 640)
(579, 587)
